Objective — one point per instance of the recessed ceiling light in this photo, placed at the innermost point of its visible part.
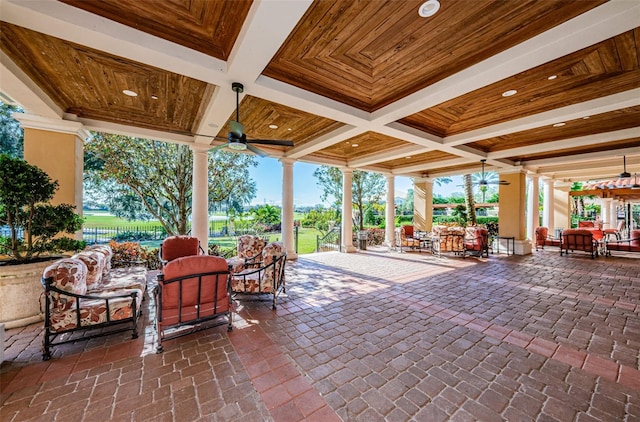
(289, 128)
(273, 126)
(552, 77)
(154, 97)
(407, 157)
(559, 124)
(429, 8)
(130, 93)
(509, 93)
(354, 145)
(585, 117)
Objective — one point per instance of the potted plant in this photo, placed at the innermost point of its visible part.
(30, 236)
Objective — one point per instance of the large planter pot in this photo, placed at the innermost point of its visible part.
(20, 291)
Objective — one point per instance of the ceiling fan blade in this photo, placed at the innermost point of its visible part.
(280, 142)
(218, 147)
(504, 183)
(256, 150)
(236, 127)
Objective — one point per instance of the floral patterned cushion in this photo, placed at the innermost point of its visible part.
(108, 254)
(95, 264)
(260, 281)
(69, 275)
(249, 245)
(235, 264)
(125, 278)
(92, 312)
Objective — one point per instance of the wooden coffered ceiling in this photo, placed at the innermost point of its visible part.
(369, 85)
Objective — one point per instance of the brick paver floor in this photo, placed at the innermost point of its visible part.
(372, 336)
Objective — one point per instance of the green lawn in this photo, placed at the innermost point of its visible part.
(306, 240)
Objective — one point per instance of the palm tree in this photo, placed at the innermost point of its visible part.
(469, 202)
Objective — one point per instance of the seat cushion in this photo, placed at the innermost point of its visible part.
(178, 246)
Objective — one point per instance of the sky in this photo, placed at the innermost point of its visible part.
(306, 192)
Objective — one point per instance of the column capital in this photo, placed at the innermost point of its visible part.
(195, 147)
(31, 121)
(423, 180)
(287, 161)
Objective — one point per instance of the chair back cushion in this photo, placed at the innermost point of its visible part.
(178, 246)
(408, 230)
(94, 261)
(635, 237)
(69, 275)
(585, 224)
(541, 235)
(272, 251)
(197, 296)
(250, 245)
(108, 254)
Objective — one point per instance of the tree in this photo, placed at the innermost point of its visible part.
(469, 202)
(160, 176)
(367, 187)
(11, 134)
(266, 214)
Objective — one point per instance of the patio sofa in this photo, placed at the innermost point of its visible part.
(579, 240)
(83, 293)
(632, 244)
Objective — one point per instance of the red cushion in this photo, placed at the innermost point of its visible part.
(635, 238)
(179, 246)
(213, 288)
(408, 231)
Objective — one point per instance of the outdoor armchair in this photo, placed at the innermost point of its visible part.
(267, 279)
(192, 290)
(579, 240)
(249, 253)
(405, 240)
(544, 239)
(632, 244)
(476, 242)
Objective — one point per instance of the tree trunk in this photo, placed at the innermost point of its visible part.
(469, 202)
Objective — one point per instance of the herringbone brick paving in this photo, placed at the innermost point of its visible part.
(370, 336)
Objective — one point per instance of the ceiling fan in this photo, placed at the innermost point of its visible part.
(484, 182)
(623, 180)
(237, 139)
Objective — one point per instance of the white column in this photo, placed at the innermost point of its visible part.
(347, 211)
(547, 205)
(605, 214)
(390, 216)
(613, 205)
(200, 195)
(286, 228)
(533, 207)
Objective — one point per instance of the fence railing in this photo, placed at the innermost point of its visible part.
(153, 232)
(332, 241)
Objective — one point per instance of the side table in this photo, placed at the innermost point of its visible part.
(510, 242)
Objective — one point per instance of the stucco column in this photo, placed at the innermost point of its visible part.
(613, 212)
(200, 195)
(390, 215)
(547, 205)
(286, 228)
(562, 205)
(605, 213)
(347, 211)
(512, 211)
(533, 206)
(57, 147)
(423, 204)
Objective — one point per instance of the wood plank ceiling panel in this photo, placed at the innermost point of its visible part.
(606, 122)
(362, 145)
(208, 26)
(369, 54)
(257, 114)
(89, 83)
(606, 68)
(425, 158)
(565, 152)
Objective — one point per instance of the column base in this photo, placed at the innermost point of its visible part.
(292, 256)
(523, 247)
(348, 249)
